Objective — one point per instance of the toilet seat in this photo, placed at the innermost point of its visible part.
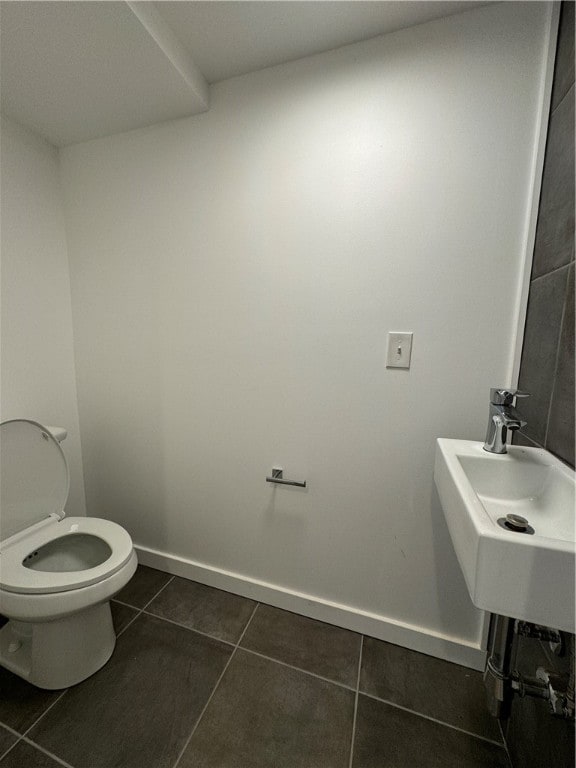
(34, 489)
(35, 478)
(16, 577)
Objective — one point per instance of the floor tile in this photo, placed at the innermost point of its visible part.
(24, 755)
(122, 615)
(433, 687)
(320, 648)
(388, 737)
(139, 709)
(265, 715)
(143, 586)
(6, 740)
(213, 611)
(21, 704)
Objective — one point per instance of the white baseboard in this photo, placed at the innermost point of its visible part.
(364, 622)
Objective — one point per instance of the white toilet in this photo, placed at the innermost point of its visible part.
(57, 574)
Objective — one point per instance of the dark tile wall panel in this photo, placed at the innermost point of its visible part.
(541, 338)
(560, 437)
(555, 228)
(534, 737)
(564, 69)
(547, 365)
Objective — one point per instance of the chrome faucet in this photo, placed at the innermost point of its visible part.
(503, 417)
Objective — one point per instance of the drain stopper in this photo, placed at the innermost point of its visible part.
(517, 523)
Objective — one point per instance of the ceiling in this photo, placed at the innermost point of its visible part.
(232, 38)
(74, 71)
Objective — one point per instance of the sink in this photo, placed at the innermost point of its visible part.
(528, 574)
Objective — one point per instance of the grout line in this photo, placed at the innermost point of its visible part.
(530, 440)
(247, 625)
(124, 628)
(163, 587)
(126, 605)
(298, 669)
(505, 742)
(249, 650)
(35, 723)
(434, 720)
(191, 629)
(551, 272)
(204, 708)
(561, 100)
(139, 611)
(11, 730)
(10, 748)
(356, 703)
(46, 752)
(201, 715)
(24, 737)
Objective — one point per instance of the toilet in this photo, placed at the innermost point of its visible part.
(57, 573)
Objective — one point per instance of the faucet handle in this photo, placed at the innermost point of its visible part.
(505, 396)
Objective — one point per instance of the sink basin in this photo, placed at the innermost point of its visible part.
(526, 575)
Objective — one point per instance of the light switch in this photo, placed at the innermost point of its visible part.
(399, 350)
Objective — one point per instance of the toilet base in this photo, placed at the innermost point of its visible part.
(60, 653)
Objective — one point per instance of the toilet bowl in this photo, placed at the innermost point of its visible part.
(57, 573)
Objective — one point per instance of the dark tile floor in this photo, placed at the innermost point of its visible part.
(201, 678)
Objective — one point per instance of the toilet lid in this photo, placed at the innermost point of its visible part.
(34, 477)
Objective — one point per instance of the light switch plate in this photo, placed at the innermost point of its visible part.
(399, 350)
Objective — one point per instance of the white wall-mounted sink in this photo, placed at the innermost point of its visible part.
(527, 575)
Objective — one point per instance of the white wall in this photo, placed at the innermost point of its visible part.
(37, 365)
(234, 276)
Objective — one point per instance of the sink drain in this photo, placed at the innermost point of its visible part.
(515, 523)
